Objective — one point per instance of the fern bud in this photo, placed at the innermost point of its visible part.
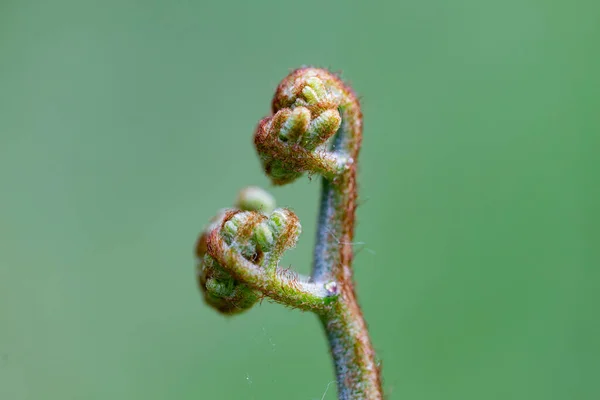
(263, 236)
(231, 227)
(306, 114)
(254, 198)
(295, 125)
(221, 291)
(321, 128)
(314, 91)
(286, 228)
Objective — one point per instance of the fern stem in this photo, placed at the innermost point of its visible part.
(357, 372)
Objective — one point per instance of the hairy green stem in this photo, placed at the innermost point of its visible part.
(357, 372)
(282, 285)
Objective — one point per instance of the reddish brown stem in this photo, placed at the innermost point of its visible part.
(358, 374)
(311, 102)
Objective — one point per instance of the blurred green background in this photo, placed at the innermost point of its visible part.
(125, 125)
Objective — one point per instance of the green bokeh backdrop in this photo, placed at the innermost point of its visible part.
(125, 125)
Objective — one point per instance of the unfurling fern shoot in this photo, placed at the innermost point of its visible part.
(316, 128)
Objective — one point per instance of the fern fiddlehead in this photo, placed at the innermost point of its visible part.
(316, 128)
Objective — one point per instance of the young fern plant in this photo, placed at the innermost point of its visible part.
(316, 128)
